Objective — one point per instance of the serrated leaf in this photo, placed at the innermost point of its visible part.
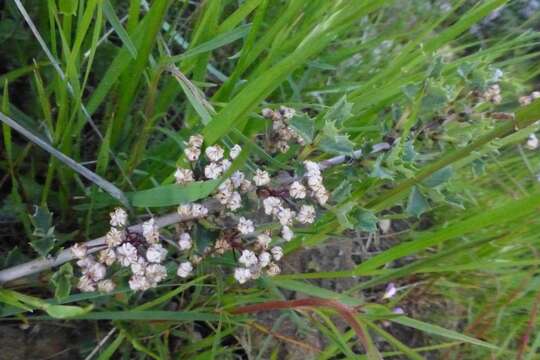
(304, 126)
(342, 191)
(339, 112)
(43, 238)
(62, 281)
(410, 91)
(379, 172)
(417, 204)
(434, 99)
(366, 221)
(439, 177)
(342, 215)
(335, 143)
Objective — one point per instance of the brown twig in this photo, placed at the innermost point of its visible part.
(346, 312)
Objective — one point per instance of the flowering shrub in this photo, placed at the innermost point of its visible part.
(285, 203)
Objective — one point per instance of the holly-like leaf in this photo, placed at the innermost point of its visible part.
(43, 237)
(304, 126)
(339, 112)
(379, 171)
(439, 177)
(417, 204)
(342, 191)
(62, 281)
(335, 143)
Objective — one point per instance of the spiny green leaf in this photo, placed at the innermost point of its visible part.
(417, 204)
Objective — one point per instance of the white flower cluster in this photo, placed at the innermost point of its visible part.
(493, 94)
(282, 134)
(262, 259)
(142, 253)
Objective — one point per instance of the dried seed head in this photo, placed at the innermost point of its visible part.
(79, 250)
(118, 217)
(183, 176)
(242, 275)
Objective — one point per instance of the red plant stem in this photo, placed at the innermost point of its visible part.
(346, 312)
(530, 327)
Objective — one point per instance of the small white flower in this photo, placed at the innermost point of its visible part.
(283, 146)
(185, 242)
(139, 267)
(225, 164)
(96, 271)
(297, 190)
(198, 210)
(221, 246)
(155, 273)
(390, 291)
(286, 233)
(235, 201)
(272, 205)
(118, 217)
(322, 197)
(273, 269)
(535, 94)
(79, 250)
(184, 269)
(245, 226)
(86, 284)
(196, 140)
(248, 258)
(235, 151)
(126, 254)
(285, 216)
(107, 257)
(115, 237)
(237, 178)
(264, 259)
(532, 142)
(106, 286)
(192, 153)
(150, 231)
(183, 176)
(306, 215)
(312, 167)
(277, 253)
(214, 153)
(242, 275)
(212, 171)
(139, 283)
(314, 180)
(267, 113)
(261, 178)
(287, 112)
(86, 262)
(156, 253)
(185, 210)
(263, 241)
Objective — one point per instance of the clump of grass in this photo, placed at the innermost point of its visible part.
(415, 119)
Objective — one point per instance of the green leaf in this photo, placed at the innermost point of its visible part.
(304, 126)
(366, 221)
(68, 7)
(62, 281)
(379, 172)
(439, 177)
(43, 238)
(66, 311)
(434, 99)
(417, 204)
(173, 194)
(335, 143)
(118, 28)
(342, 191)
(339, 112)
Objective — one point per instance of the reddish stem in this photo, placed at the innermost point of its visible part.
(346, 312)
